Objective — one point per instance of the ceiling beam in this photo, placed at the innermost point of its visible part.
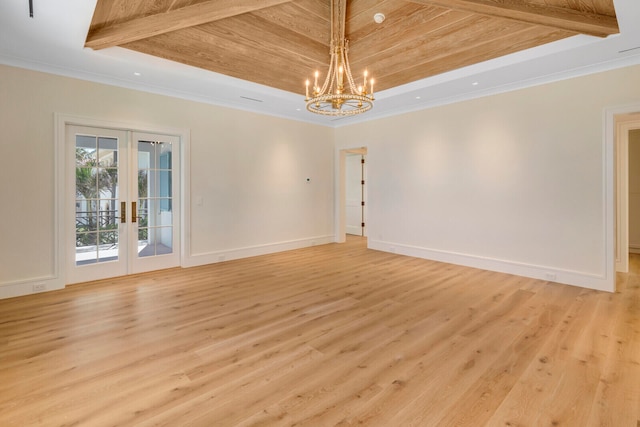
(535, 13)
(185, 17)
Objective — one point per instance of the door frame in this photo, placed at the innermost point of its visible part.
(341, 192)
(61, 121)
(361, 202)
(624, 123)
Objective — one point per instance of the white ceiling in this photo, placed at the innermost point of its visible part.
(52, 41)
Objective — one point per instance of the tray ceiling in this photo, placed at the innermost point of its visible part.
(279, 43)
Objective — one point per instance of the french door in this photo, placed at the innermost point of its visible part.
(122, 211)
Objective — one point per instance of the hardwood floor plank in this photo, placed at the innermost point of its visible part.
(619, 377)
(523, 403)
(329, 335)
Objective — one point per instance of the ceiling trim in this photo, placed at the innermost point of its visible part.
(53, 43)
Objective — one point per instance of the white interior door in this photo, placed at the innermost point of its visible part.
(355, 195)
(121, 190)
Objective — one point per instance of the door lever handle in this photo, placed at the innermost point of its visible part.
(123, 211)
(133, 212)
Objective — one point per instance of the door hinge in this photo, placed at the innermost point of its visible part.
(362, 161)
(362, 203)
(363, 224)
(362, 182)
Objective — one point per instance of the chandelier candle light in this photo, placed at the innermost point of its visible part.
(332, 99)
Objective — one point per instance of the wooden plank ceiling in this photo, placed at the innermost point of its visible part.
(280, 43)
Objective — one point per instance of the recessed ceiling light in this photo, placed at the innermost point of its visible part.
(417, 97)
(137, 74)
(474, 83)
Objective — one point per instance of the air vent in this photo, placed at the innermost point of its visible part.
(628, 50)
(251, 99)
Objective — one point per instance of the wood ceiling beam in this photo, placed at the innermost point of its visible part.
(185, 17)
(535, 13)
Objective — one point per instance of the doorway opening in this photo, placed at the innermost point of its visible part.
(352, 201)
(356, 196)
(627, 148)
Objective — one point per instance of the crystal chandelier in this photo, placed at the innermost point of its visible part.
(338, 97)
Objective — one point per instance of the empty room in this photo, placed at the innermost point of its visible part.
(320, 213)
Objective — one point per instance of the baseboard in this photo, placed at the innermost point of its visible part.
(585, 280)
(549, 274)
(51, 283)
(30, 286)
(357, 231)
(230, 254)
(634, 249)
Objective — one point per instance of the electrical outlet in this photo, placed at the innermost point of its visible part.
(39, 287)
(221, 258)
(550, 277)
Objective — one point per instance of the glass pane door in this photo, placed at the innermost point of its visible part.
(155, 198)
(96, 188)
(122, 190)
(96, 199)
(156, 194)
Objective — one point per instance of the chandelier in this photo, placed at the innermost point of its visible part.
(339, 96)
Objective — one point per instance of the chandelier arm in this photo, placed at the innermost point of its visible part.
(328, 81)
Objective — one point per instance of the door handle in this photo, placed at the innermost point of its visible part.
(133, 212)
(123, 211)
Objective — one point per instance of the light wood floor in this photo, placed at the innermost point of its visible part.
(324, 336)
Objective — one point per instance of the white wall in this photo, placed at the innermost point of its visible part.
(511, 182)
(250, 171)
(634, 191)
